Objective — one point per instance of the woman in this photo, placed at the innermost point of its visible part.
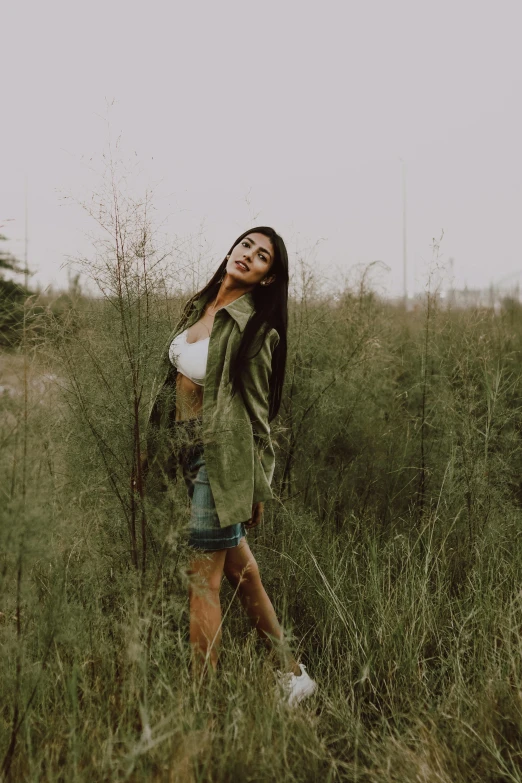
(221, 385)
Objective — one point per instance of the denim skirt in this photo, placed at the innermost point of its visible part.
(205, 532)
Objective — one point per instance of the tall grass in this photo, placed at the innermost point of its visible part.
(392, 551)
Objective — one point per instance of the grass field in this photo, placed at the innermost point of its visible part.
(392, 551)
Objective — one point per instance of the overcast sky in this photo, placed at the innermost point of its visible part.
(297, 113)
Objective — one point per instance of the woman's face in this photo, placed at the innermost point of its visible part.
(251, 259)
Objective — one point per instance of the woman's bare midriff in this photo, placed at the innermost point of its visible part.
(189, 395)
(189, 398)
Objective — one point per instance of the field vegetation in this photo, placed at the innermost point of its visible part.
(393, 549)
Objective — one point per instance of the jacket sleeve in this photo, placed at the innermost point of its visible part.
(256, 386)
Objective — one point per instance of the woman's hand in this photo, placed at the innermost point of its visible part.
(257, 516)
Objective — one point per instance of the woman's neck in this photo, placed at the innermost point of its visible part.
(229, 292)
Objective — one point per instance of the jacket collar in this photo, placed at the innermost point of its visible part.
(240, 309)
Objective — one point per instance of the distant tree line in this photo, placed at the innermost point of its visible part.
(12, 298)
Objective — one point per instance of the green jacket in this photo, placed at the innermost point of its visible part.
(236, 434)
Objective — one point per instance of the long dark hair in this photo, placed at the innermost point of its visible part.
(271, 312)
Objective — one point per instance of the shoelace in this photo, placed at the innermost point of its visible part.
(287, 677)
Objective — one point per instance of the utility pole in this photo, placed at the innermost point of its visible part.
(26, 243)
(451, 287)
(404, 238)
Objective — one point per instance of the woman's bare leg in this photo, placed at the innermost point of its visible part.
(242, 572)
(205, 574)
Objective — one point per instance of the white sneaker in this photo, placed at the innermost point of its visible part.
(296, 687)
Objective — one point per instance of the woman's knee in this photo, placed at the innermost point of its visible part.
(203, 597)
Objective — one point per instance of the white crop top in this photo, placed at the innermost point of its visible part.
(190, 358)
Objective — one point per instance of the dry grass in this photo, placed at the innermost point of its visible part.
(400, 582)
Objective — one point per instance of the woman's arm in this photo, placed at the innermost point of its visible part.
(256, 387)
